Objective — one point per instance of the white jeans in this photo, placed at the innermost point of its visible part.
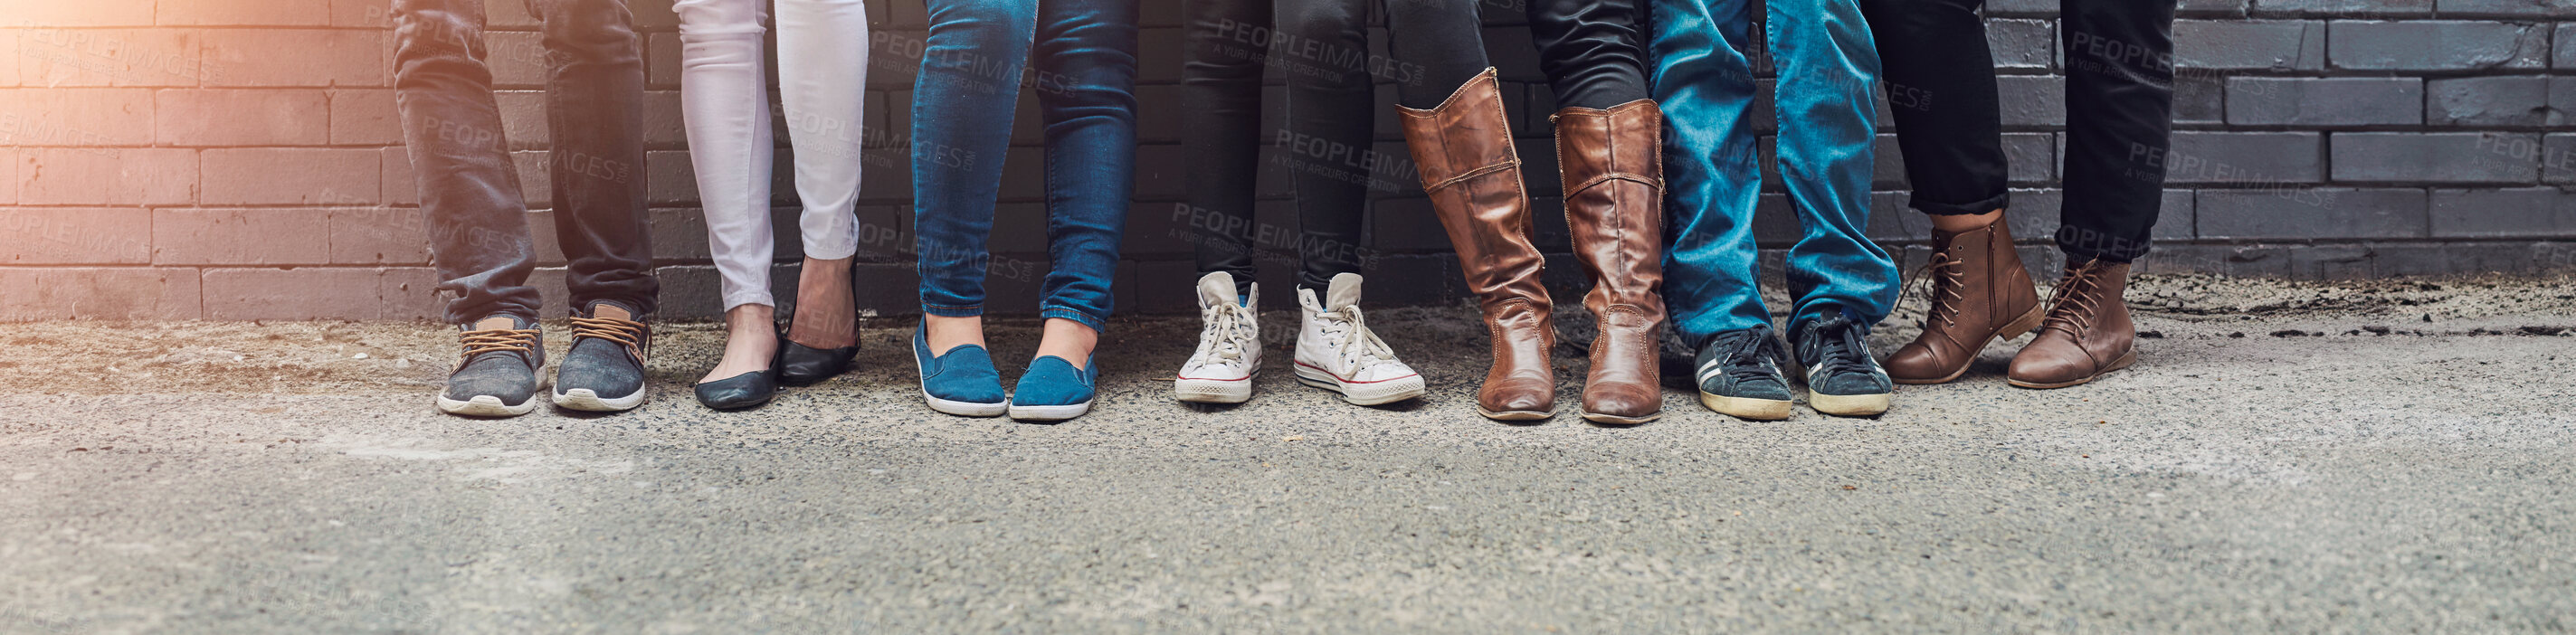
(724, 98)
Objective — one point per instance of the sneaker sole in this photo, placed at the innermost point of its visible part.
(486, 406)
(1049, 413)
(2123, 362)
(1213, 390)
(1746, 408)
(2020, 326)
(588, 400)
(1370, 394)
(1848, 405)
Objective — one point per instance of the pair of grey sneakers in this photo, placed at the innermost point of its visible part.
(603, 371)
(1739, 372)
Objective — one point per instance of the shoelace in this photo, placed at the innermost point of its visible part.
(1221, 338)
(1843, 349)
(627, 332)
(1742, 361)
(1948, 276)
(2070, 306)
(478, 342)
(1359, 345)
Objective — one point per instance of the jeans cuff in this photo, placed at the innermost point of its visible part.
(1095, 322)
(1999, 201)
(952, 311)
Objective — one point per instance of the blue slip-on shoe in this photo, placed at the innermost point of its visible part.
(962, 382)
(1053, 390)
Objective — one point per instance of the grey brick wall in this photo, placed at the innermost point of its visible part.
(239, 159)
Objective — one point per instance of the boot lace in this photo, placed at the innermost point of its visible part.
(1222, 336)
(626, 332)
(1357, 345)
(1948, 276)
(2070, 306)
(477, 342)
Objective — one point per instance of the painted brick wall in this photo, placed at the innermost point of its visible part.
(239, 159)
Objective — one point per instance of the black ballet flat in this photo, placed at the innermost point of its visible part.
(801, 365)
(747, 390)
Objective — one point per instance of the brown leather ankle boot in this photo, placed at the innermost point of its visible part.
(2087, 332)
(1463, 149)
(1980, 293)
(1611, 161)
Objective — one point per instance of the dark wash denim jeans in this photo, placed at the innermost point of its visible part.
(478, 221)
(1321, 49)
(961, 126)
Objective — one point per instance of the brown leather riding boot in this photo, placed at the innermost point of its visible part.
(1611, 161)
(1463, 150)
(1980, 293)
(2087, 332)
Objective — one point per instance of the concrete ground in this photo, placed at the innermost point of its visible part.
(2389, 456)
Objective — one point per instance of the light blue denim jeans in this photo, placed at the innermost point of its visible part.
(1828, 71)
(961, 126)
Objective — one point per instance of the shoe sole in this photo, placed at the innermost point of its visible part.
(1213, 390)
(2124, 361)
(486, 406)
(1619, 420)
(588, 400)
(1515, 415)
(1848, 405)
(1049, 413)
(1746, 408)
(1380, 393)
(959, 408)
(2020, 326)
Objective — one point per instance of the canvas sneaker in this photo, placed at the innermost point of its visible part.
(1229, 351)
(1336, 351)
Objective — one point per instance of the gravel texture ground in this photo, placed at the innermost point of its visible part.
(2377, 456)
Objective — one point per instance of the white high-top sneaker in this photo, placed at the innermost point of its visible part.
(1337, 352)
(1229, 351)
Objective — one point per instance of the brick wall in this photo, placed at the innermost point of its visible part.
(239, 159)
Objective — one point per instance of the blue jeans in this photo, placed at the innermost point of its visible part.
(1827, 69)
(961, 127)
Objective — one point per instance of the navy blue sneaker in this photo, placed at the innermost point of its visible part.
(1842, 379)
(1739, 375)
(1053, 390)
(962, 382)
(497, 377)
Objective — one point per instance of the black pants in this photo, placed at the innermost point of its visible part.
(2119, 113)
(1593, 51)
(478, 218)
(1321, 46)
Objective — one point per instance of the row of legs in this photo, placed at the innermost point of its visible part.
(1657, 98)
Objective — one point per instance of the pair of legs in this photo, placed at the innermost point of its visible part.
(2119, 102)
(478, 221)
(477, 214)
(962, 104)
(823, 62)
(1840, 281)
(1321, 47)
(2119, 113)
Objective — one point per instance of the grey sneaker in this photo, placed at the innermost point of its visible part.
(497, 377)
(1739, 374)
(604, 371)
(1842, 379)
